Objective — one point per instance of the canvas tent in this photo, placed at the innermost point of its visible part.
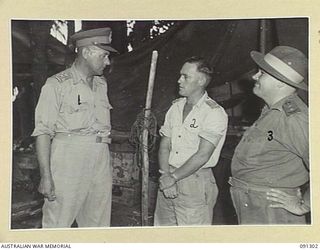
(226, 44)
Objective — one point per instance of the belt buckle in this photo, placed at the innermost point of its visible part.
(103, 139)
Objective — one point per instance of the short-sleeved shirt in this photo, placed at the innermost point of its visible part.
(274, 151)
(206, 120)
(67, 104)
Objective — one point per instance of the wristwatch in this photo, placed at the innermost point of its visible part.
(174, 177)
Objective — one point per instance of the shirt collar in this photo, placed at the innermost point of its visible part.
(199, 103)
(202, 99)
(79, 77)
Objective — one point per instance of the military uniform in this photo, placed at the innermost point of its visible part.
(78, 121)
(273, 153)
(198, 192)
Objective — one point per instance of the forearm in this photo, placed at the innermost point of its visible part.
(43, 147)
(191, 166)
(306, 198)
(163, 161)
(195, 162)
(163, 155)
(306, 193)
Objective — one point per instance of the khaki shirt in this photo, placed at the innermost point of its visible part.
(67, 104)
(206, 120)
(274, 151)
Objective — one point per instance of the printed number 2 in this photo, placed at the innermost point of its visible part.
(270, 135)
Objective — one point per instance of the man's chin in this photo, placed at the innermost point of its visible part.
(181, 93)
(256, 91)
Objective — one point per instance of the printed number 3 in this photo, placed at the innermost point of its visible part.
(270, 135)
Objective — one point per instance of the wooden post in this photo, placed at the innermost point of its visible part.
(263, 36)
(145, 156)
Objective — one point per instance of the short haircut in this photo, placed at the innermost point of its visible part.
(202, 66)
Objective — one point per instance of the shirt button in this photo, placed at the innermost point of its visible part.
(177, 152)
(246, 204)
(179, 136)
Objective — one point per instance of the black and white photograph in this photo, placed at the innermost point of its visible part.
(160, 123)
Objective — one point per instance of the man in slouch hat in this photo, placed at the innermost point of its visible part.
(270, 166)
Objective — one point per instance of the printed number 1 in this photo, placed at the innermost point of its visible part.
(270, 137)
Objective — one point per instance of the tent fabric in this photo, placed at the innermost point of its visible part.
(224, 43)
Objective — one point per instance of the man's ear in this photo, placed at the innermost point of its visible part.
(202, 80)
(85, 52)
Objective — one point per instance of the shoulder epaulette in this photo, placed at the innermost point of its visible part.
(102, 79)
(63, 76)
(177, 100)
(211, 103)
(290, 107)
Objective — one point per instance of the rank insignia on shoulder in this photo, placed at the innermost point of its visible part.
(177, 100)
(290, 107)
(102, 78)
(63, 76)
(211, 103)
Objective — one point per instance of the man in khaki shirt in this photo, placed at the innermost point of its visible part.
(270, 166)
(72, 125)
(191, 140)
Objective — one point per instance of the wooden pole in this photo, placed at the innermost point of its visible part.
(145, 157)
(263, 36)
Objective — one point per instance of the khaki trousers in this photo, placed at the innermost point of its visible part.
(82, 177)
(197, 195)
(252, 206)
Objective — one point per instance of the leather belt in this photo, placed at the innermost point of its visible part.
(82, 138)
(237, 183)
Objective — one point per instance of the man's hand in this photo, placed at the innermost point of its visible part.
(292, 203)
(166, 181)
(171, 192)
(15, 93)
(46, 187)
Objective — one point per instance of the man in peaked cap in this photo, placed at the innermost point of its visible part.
(101, 38)
(270, 166)
(72, 126)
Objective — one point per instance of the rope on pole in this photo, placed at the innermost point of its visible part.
(143, 135)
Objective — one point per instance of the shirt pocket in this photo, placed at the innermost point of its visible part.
(102, 110)
(75, 111)
(105, 104)
(101, 97)
(252, 144)
(191, 134)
